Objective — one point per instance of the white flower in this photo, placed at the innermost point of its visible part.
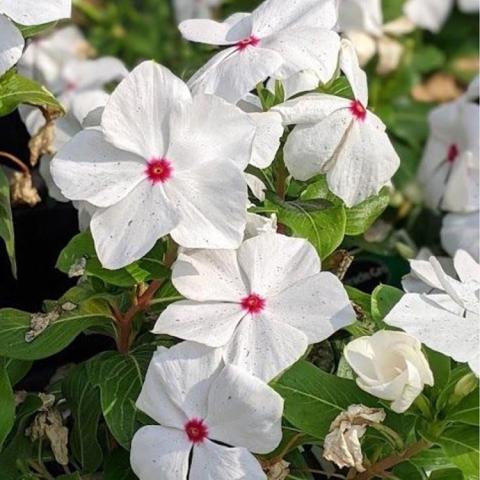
(447, 322)
(25, 12)
(263, 303)
(342, 445)
(362, 22)
(278, 39)
(450, 168)
(461, 232)
(44, 58)
(432, 14)
(257, 225)
(185, 9)
(340, 138)
(391, 366)
(198, 402)
(161, 163)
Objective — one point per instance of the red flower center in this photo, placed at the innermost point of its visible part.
(251, 41)
(253, 303)
(159, 170)
(453, 153)
(358, 110)
(196, 430)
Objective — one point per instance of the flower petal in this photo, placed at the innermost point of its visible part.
(36, 12)
(126, 231)
(88, 168)
(355, 75)
(318, 306)
(160, 452)
(209, 323)
(265, 348)
(466, 267)
(243, 411)
(267, 138)
(136, 117)
(273, 262)
(428, 14)
(460, 231)
(213, 462)
(11, 44)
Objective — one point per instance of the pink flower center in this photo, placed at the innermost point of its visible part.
(159, 170)
(358, 110)
(196, 430)
(253, 303)
(71, 86)
(453, 152)
(251, 41)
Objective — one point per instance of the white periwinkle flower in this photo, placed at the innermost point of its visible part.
(185, 9)
(450, 168)
(263, 303)
(161, 163)
(198, 401)
(447, 322)
(461, 231)
(25, 12)
(432, 14)
(278, 39)
(340, 138)
(391, 366)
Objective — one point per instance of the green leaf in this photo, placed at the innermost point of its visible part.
(446, 474)
(318, 221)
(7, 403)
(408, 470)
(120, 378)
(440, 366)
(70, 476)
(427, 58)
(33, 30)
(16, 90)
(384, 298)
(84, 402)
(61, 331)
(17, 369)
(117, 466)
(6, 222)
(467, 411)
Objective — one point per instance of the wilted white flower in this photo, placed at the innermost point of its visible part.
(340, 138)
(263, 303)
(449, 321)
(391, 366)
(25, 12)
(450, 168)
(198, 401)
(342, 445)
(278, 39)
(461, 231)
(362, 22)
(432, 14)
(185, 9)
(161, 163)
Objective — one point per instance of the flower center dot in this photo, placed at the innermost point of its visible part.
(358, 110)
(253, 303)
(196, 430)
(453, 152)
(159, 170)
(251, 41)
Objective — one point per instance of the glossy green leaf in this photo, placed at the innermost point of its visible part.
(6, 222)
(7, 403)
(384, 298)
(117, 466)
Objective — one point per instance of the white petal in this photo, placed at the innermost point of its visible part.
(361, 15)
(428, 14)
(273, 262)
(209, 323)
(128, 230)
(159, 452)
(265, 348)
(310, 148)
(232, 74)
(214, 462)
(11, 44)
(36, 12)
(365, 45)
(177, 383)
(210, 199)
(468, 6)
(390, 52)
(243, 411)
(274, 16)
(204, 275)
(467, 268)
(89, 168)
(425, 272)
(436, 327)
(304, 81)
(232, 30)
(136, 117)
(355, 75)
(365, 162)
(53, 190)
(461, 231)
(86, 102)
(256, 186)
(318, 306)
(306, 49)
(267, 138)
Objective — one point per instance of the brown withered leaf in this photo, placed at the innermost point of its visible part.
(440, 87)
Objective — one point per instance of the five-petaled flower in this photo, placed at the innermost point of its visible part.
(199, 401)
(263, 303)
